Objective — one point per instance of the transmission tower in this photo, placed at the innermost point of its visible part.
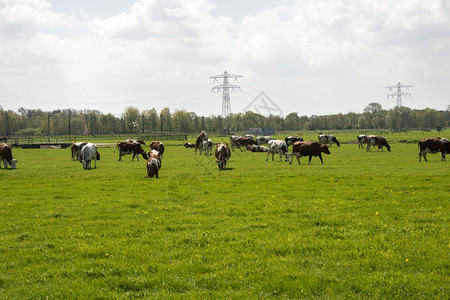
(225, 87)
(399, 94)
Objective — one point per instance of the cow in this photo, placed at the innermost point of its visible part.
(75, 149)
(158, 146)
(362, 139)
(257, 148)
(263, 139)
(203, 136)
(207, 146)
(433, 145)
(222, 154)
(308, 148)
(153, 164)
(131, 148)
(377, 140)
(238, 142)
(88, 153)
(328, 139)
(189, 145)
(6, 156)
(292, 139)
(135, 141)
(277, 146)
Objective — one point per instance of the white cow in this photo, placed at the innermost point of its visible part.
(280, 147)
(89, 152)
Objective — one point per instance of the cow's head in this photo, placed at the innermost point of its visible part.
(12, 163)
(144, 154)
(97, 157)
(324, 149)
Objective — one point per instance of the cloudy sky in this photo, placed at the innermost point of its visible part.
(307, 56)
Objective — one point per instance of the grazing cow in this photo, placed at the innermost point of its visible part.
(207, 146)
(277, 146)
(135, 141)
(308, 148)
(292, 139)
(377, 140)
(222, 154)
(203, 136)
(158, 146)
(328, 139)
(239, 142)
(88, 153)
(433, 145)
(362, 139)
(131, 148)
(6, 156)
(263, 139)
(153, 164)
(257, 148)
(76, 150)
(189, 145)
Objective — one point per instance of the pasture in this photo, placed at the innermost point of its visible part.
(363, 225)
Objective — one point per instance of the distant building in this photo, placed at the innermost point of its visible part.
(261, 131)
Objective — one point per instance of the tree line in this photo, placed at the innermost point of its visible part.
(34, 122)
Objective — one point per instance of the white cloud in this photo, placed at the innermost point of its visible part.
(337, 54)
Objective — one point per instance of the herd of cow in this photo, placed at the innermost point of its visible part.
(85, 152)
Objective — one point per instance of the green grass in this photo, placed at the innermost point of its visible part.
(363, 225)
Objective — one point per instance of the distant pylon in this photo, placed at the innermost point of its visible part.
(399, 92)
(225, 87)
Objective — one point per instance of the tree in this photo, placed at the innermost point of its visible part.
(132, 119)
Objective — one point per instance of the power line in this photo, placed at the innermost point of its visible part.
(399, 94)
(226, 87)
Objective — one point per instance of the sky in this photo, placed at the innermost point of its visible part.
(312, 57)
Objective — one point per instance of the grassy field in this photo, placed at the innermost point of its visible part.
(363, 225)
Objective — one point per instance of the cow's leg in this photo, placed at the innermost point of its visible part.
(309, 162)
(267, 158)
(320, 156)
(368, 147)
(120, 156)
(425, 156)
(443, 156)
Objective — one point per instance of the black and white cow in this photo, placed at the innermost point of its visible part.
(433, 145)
(362, 139)
(88, 153)
(207, 146)
(278, 146)
(292, 139)
(378, 141)
(263, 139)
(328, 139)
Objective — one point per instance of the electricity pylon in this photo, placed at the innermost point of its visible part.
(399, 93)
(226, 87)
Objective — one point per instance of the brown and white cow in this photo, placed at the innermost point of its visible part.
(222, 154)
(328, 139)
(203, 136)
(153, 164)
(131, 148)
(277, 146)
(88, 153)
(377, 140)
(75, 149)
(239, 141)
(433, 145)
(158, 146)
(6, 156)
(257, 148)
(308, 148)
